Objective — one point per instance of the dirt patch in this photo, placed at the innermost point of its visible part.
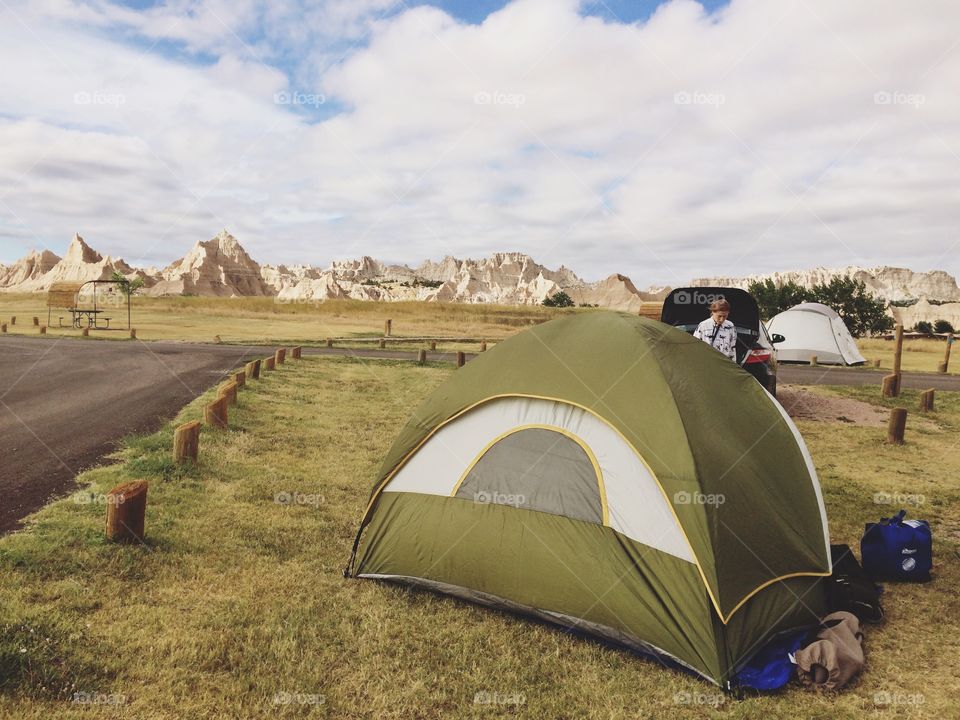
(804, 404)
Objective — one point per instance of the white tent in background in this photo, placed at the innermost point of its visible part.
(814, 329)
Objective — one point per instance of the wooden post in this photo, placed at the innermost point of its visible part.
(43, 329)
(382, 343)
(253, 369)
(126, 509)
(85, 332)
(813, 359)
(280, 356)
(329, 342)
(421, 356)
(483, 346)
(876, 362)
(228, 391)
(186, 442)
(295, 352)
(926, 401)
(888, 386)
(217, 340)
(270, 363)
(433, 346)
(133, 333)
(387, 327)
(36, 321)
(3, 327)
(896, 426)
(215, 414)
(240, 378)
(897, 353)
(946, 355)
(461, 358)
(13, 320)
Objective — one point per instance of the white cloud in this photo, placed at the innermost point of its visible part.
(764, 136)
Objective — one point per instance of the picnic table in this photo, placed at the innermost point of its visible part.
(78, 314)
(83, 313)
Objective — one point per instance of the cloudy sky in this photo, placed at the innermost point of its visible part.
(661, 140)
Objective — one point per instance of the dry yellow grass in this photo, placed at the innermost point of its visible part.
(237, 606)
(266, 320)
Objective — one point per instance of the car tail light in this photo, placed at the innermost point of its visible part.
(759, 356)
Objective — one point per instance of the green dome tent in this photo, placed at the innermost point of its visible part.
(613, 475)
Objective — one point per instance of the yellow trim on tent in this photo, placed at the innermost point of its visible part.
(604, 511)
(703, 577)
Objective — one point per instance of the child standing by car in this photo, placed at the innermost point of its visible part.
(720, 333)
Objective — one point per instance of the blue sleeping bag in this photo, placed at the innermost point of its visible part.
(771, 668)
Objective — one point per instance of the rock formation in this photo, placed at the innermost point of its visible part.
(889, 283)
(218, 267)
(221, 267)
(38, 271)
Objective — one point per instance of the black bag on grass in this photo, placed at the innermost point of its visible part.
(850, 589)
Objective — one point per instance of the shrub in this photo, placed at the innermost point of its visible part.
(558, 299)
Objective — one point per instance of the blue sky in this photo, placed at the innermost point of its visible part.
(669, 141)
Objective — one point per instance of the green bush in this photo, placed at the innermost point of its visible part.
(558, 299)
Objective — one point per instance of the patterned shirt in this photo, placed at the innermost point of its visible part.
(722, 338)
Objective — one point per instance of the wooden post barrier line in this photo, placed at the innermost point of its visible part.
(295, 352)
(896, 426)
(888, 386)
(229, 391)
(186, 442)
(126, 511)
(215, 414)
(240, 378)
(269, 363)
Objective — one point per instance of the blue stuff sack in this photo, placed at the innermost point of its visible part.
(897, 549)
(771, 668)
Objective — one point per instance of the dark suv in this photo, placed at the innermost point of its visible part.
(685, 308)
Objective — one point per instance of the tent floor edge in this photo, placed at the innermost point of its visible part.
(591, 630)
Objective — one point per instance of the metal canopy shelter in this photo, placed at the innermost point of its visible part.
(67, 296)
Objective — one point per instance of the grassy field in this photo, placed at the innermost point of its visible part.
(918, 355)
(267, 320)
(236, 606)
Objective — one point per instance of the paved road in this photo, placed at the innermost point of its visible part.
(821, 375)
(65, 403)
